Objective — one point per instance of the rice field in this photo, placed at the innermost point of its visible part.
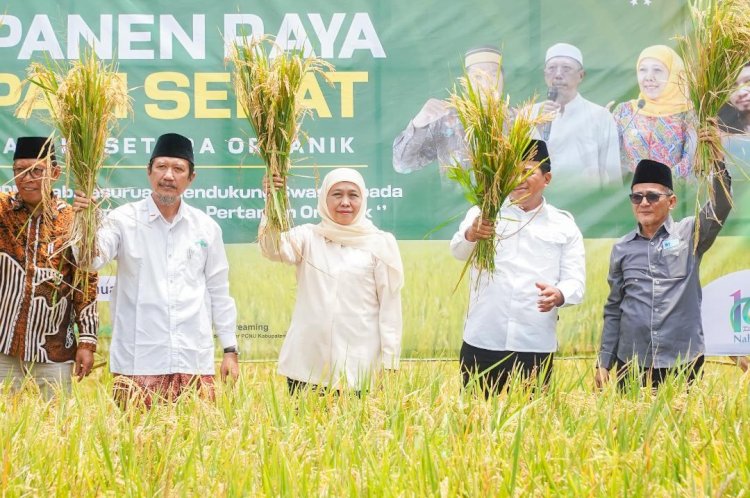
(415, 434)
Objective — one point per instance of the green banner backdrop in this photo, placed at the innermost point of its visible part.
(390, 57)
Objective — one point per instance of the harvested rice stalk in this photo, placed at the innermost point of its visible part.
(84, 98)
(714, 52)
(497, 140)
(267, 88)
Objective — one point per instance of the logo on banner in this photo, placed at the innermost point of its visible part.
(739, 314)
(726, 314)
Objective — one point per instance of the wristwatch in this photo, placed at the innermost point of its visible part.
(232, 349)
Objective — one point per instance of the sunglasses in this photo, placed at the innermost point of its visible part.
(650, 197)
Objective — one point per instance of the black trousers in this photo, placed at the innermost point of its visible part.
(492, 369)
(654, 377)
(296, 386)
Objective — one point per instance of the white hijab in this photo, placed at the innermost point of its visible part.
(361, 233)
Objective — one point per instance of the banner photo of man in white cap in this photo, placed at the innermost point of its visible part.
(582, 136)
(435, 133)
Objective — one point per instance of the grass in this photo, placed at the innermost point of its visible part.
(415, 435)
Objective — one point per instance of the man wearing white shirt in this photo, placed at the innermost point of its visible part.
(540, 267)
(582, 138)
(172, 286)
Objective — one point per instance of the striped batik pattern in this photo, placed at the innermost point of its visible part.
(12, 281)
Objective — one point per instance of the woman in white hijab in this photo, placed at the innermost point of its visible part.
(346, 323)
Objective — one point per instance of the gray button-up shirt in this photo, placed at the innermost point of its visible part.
(442, 141)
(653, 312)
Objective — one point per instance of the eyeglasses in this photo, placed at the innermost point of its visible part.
(35, 173)
(650, 197)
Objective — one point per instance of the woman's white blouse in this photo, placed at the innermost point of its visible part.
(345, 325)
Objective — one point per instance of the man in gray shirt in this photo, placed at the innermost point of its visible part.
(652, 318)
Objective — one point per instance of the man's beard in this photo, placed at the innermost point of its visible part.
(166, 199)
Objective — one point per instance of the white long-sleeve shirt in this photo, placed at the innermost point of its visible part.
(172, 284)
(583, 144)
(544, 246)
(345, 325)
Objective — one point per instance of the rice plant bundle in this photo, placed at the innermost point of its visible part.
(714, 50)
(496, 139)
(83, 98)
(267, 88)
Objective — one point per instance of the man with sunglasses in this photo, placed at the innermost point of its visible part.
(652, 317)
(40, 299)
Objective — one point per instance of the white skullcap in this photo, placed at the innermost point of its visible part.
(485, 53)
(564, 50)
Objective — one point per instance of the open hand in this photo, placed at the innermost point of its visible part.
(550, 297)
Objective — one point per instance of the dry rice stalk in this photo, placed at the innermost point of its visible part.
(497, 139)
(714, 52)
(83, 98)
(268, 91)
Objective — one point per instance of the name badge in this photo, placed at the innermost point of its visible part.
(670, 244)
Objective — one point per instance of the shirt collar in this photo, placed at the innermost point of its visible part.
(540, 210)
(154, 213)
(667, 226)
(17, 204)
(576, 102)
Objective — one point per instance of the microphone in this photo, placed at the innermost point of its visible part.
(547, 127)
(641, 104)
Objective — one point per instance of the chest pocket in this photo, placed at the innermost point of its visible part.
(547, 245)
(195, 261)
(675, 260)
